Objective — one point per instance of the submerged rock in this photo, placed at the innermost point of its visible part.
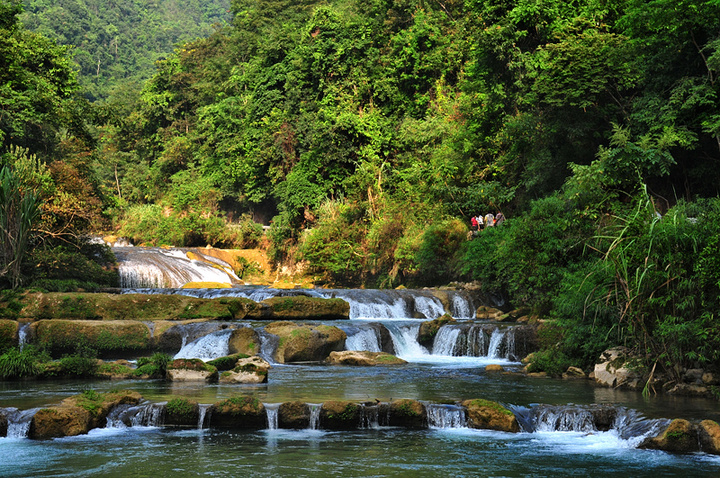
(574, 373)
(239, 412)
(679, 437)
(494, 367)
(294, 415)
(489, 415)
(247, 370)
(305, 343)
(339, 415)
(363, 358)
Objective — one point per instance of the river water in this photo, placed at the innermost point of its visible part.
(554, 443)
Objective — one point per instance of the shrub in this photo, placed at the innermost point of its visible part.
(16, 363)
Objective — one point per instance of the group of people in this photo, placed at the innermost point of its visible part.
(489, 220)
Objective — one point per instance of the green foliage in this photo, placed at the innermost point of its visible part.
(552, 361)
(16, 363)
(180, 408)
(154, 366)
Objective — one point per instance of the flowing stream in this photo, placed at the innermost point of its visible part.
(559, 419)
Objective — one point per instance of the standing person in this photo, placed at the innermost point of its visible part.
(489, 220)
(479, 221)
(474, 223)
(499, 218)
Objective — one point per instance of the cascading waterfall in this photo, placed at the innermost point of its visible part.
(428, 307)
(314, 415)
(208, 347)
(143, 415)
(404, 339)
(271, 410)
(203, 415)
(446, 340)
(495, 342)
(23, 333)
(363, 338)
(161, 268)
(369, 416)
(18, 421)
(446, 416)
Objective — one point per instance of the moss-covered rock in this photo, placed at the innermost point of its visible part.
(8, 334)
(143, 307)
(117, 370)
(429, 329)
(301, 307)
(239, 412)
(679, 437)
(363, 358)
(180, 411)
(79, 414)
(489, 415)
(339, 415)
(485, 312)
(191, 370)
(709, 431)
(294, 415)
(228, 362)
(244, 340)
(305, 343)
(247, 370)
(408, 414)
(118, 337)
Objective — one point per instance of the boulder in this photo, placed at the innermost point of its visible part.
(294, 415)
(79, 414)
(429, 329)
(227, 362)
(363, 358)
(305, 343)
(116, 337)
(8, 333)
(709, 432)
(180, 411)
(493, 367)
(710, 378)
(244, 340)
(239, 412)
(679, 437)
(408, 414)
(612, 369)
(489, 415)
(339, 415)
(247, 370)
(693, 375)
(190, 370)
(300, 307)
(574, 373)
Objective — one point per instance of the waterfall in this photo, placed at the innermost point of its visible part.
(446, 340)
(369, 416)
(143, 415)
(404, 339)
(161, 268)
(314, 415)
(271, 410)
(23, 332)
(495, 342)
(461, 307)
(268, 346)
(429, 307)
(363, 338)
(633, 427)
(18, 421)
(445, 416)
(208, 347)
(204, 415)
(563, 419)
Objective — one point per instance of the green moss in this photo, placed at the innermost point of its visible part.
(191, 364)
(226, 363)
(180, 408)
(480, 403)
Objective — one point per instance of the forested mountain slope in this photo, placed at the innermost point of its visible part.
(117, 43)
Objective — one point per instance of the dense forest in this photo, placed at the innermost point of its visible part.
(367, 133)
